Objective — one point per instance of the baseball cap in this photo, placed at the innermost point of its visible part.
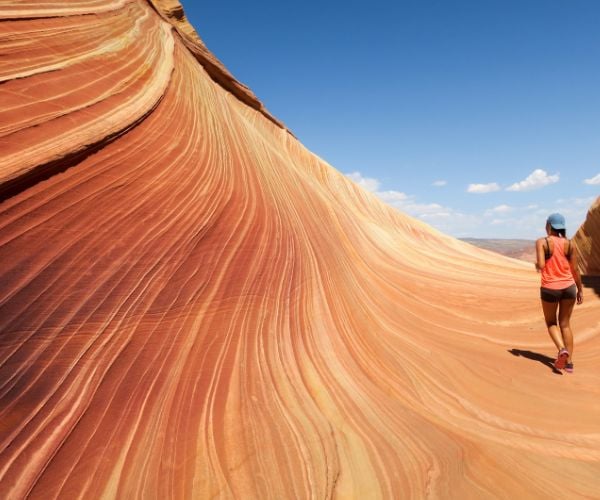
(557, 221)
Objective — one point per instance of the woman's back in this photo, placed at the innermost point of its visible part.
(557, 274)
(561, 287)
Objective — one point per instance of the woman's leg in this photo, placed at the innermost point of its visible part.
(549, 309)
(564, 320)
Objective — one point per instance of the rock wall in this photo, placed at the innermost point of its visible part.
(192, 305)
(587, 241)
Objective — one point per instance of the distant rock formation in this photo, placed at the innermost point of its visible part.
(587, 241)
(515, 248)
(193, 305)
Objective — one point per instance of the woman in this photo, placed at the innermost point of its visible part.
(561, 287)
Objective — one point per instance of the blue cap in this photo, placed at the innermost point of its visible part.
(556, 221)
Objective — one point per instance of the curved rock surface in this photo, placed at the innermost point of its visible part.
(587, 241)
(192, 305)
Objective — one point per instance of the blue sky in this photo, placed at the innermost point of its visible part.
(496, 101)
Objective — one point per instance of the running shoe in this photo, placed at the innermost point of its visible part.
(561, 360)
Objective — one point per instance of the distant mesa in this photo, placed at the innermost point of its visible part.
(515, 248)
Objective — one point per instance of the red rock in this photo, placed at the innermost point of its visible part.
(194, 305)
(587, 241)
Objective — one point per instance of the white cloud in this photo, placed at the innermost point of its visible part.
(567, 203)
(502, 221)
(502, 209)
(391, 196)
(367, 183)
(401, 200)
(439, 183)
(483, 188)
(428, 210)
(530, 223)
(582, 202)
(408, 204)
(593, 181)
(437, 215)
(537, 179)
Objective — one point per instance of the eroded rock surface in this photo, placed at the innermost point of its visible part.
(587, 240)
(192, 305)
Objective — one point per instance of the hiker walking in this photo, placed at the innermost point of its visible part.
(561, 287)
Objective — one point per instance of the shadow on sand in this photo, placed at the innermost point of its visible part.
(536, 356)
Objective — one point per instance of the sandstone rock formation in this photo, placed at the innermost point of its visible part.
(587, 240)
(192, 305)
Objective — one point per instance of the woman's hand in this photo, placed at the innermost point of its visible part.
(580, 296)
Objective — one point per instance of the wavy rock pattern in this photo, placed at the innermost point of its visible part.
(194, 305)
(587, 241)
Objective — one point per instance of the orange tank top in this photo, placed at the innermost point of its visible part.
(556, 274)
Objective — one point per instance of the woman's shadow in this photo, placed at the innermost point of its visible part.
(536, 356)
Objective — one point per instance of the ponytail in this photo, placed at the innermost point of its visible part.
(562, 232)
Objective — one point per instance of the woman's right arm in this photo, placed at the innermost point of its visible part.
(540, 254)
(575, 273)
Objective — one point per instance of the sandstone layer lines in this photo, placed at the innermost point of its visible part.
(587, 241)
(70, 121)
(50, 8)
(193, 305)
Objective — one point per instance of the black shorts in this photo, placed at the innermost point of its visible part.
(549, 295)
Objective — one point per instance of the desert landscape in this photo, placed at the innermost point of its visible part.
(517, 249)
(194, 305)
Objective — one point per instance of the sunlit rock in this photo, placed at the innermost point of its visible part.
(587, 241)
(192, 305)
